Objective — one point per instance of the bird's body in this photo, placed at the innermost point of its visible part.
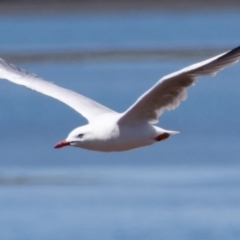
(110, 135)
(108, 130)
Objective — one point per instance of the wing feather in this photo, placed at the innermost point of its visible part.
(83, 105)
(170, 90)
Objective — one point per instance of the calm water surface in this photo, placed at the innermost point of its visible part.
(184, 188)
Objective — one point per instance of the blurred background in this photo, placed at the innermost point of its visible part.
(186, 187)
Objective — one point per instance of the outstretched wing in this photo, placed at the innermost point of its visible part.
(169, 91)
(85, 106)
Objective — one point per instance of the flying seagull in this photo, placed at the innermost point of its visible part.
(108, 130)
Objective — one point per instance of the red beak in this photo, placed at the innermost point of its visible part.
(62, 144)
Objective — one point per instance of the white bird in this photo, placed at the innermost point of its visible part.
(108, 130)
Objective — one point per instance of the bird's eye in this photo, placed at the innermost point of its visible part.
(80, 135)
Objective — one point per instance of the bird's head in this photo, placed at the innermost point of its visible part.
(76, 137)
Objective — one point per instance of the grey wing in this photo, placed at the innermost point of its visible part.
(169, 91)
(85, 106)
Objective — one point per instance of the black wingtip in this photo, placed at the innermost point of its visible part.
(234, 53)
(235, 50)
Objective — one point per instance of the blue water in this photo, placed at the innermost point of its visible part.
(119, 30)
(184, 188)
